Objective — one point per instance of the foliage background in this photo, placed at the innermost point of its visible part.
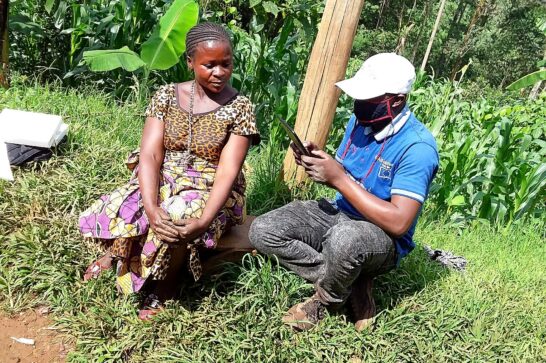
(492, 312)
(487, 202)
(504, 42)
(492, 142)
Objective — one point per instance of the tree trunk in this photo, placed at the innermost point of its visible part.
(433, 35)
(4, 43)
(384, 6)
(534, 91)
(456, 19)
(462, 51)
(401, 17)
(410, 15)
(443, 67)
(327, 65)
(402, 42)
(419, 34)
(404, 29)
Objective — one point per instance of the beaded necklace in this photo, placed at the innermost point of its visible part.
(187, 157)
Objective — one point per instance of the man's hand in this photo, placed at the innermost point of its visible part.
(310, 146)
(322, 168)
(190, 229)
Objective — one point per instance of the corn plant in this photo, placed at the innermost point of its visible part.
(270, 67)
(491, 156)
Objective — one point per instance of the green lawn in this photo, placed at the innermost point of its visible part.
(495, 311)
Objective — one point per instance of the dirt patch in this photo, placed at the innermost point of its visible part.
(31, 324)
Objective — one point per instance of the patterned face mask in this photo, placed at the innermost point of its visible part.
(370, 112)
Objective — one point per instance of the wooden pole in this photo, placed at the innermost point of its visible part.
(4, 43)
(327, 65)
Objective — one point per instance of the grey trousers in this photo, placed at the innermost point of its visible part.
(324, 246)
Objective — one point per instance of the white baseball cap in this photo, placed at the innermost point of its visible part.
(380, 74)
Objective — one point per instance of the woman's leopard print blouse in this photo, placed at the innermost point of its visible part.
(210, 130)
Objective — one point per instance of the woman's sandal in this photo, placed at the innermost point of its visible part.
(151, 307)
(94, 270)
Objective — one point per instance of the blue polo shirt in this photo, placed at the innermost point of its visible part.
(401, 159)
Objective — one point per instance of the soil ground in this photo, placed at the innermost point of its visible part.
(32, 324)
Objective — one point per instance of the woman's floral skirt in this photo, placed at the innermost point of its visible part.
(119, 218)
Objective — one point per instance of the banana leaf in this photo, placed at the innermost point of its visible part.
(528, 80)
(106, 60)
(168, 41)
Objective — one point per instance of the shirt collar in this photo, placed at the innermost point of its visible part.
(397, 123)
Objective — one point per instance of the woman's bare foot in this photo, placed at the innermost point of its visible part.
(95, 269)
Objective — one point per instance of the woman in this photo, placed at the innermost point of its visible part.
(187, 187)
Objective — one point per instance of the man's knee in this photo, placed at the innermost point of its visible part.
(257, 232)
(353, 243)
(268, 230)
(263, 234)
(347, 240)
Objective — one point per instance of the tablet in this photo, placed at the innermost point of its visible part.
(295, 139)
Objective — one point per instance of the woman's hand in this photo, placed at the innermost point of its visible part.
(322, 168)
(161, 224)
(190, 229)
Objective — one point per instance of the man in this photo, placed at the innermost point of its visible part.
(382, 172)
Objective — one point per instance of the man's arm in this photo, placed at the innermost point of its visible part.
(395, 216)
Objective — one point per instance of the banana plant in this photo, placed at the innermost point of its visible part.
(528, 80)
(533, 78)
(161, 51)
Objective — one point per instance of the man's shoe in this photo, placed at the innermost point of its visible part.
(362, 303)
(305, 315)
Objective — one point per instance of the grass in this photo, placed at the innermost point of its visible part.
(495, 311)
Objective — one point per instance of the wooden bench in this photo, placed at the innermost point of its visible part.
(231, 247)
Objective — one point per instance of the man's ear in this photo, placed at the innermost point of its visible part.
(400, 100)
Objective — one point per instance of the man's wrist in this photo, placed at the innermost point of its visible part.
(340, 182)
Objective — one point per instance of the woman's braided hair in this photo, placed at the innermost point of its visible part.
(205, 32)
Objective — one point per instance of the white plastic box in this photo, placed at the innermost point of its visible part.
(5, 168)
(27, 128)
(31, 128)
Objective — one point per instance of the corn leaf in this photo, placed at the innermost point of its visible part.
(457, 200)
(49, 5)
